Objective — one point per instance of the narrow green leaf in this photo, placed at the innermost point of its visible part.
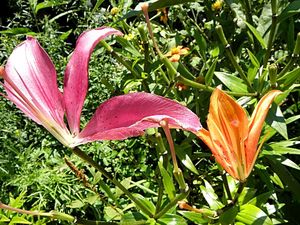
(153, 5)
(48, 4)
(246, 195)
(210, 73)
(167, 181)
(126, 184)
(127, 45)
(149, 205)
(76, 204)
(257, 35)
(232, 82)
(139, 184)
(210, 196)
(185, 159)
(112, 213)
(252, 215)
(3, 219)
(132, 218)
(289, 78)
(19, 220)
(292, 9)
(18, 31)
(65, 35)
(201, 42)
(97, 5)
(253, 59)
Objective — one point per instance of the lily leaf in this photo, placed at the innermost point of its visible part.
(257, 35)
(232, 82)
(253, 215)
(276, 120)
(292, 9)
(153, 5)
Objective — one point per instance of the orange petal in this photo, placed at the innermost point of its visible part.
(175, 58)
(256, 124)
(230, 129)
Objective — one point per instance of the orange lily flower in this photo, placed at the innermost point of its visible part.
(232, 138)
(175, 53)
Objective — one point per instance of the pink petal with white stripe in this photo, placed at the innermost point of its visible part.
(30, 82)
(129, 115)
(76, 74)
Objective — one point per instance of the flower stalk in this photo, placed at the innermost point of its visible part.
(177, 171)
(294, 58)
(231, 56)
(272, 32)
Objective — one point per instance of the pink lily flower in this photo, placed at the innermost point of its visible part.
(31, 84)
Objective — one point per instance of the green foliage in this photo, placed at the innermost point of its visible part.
(234, 46)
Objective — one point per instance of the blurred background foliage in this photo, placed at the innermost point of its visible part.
(33, 172)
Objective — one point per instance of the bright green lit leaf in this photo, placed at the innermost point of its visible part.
(252, 215)
(276, 120)
(210, 196)
(112, 213)
(4, 218)
(289, 78)
(232, 82)
(185, 159)
(167, 181)
(197, 218)
(172, 219)
(210, 73)
(149, 205)
(19, 220)
(153, 5)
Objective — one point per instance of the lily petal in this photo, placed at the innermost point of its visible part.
(30, 82)
(233, 123)
(76, 74)
(256, 123)
(129, 115)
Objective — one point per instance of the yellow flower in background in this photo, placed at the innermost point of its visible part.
(217, 5)
(175, 53)
(114, 11)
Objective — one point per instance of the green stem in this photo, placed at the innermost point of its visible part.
(177, 171)
(162, 152)
(52, 214)
(272, 33)
(119, 58)
(210, 89)
(171, 70)
(239, 191)
(225, 181)
(90, 161)
(171, 204)
(293, 59)
(232, 58)
(242, 184)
